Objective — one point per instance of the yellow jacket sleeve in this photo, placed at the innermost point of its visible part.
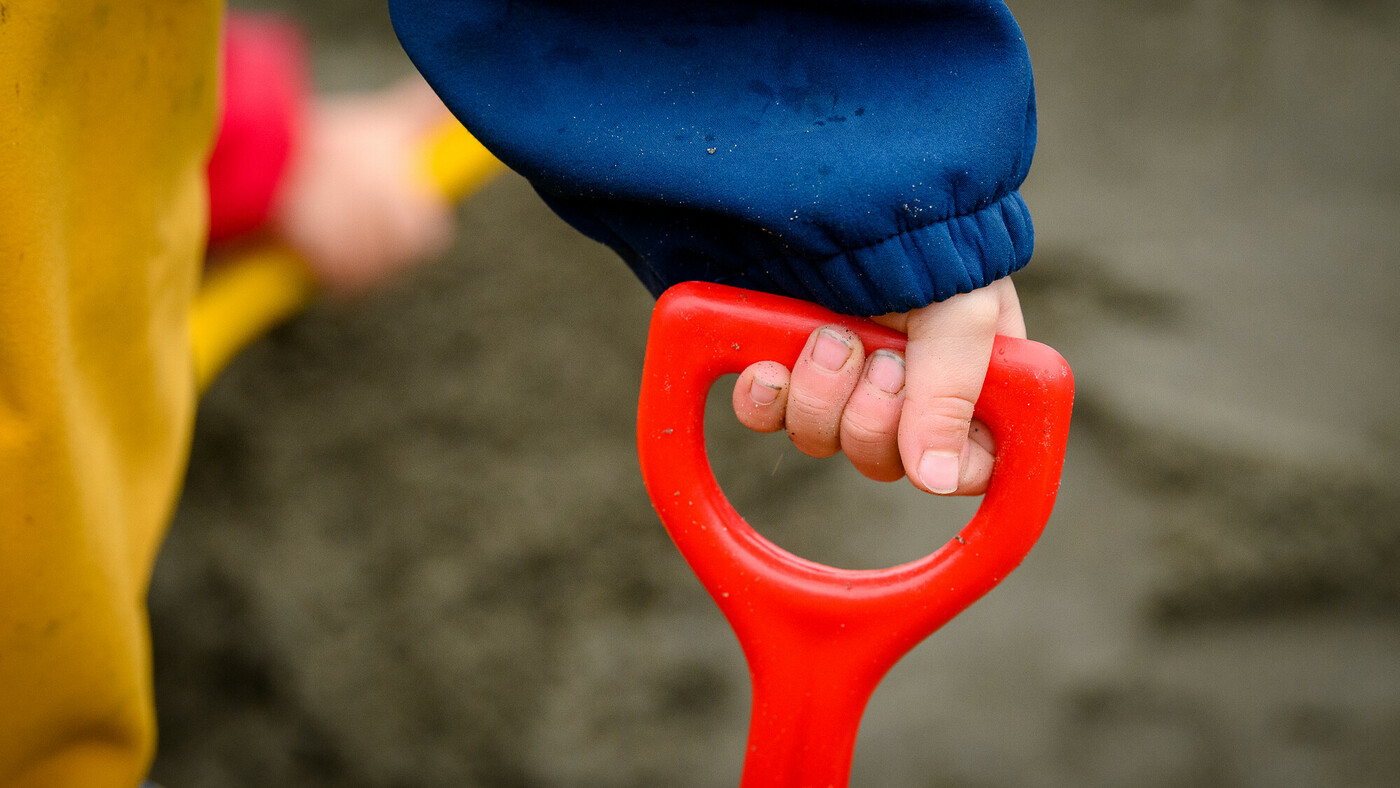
(106, 116)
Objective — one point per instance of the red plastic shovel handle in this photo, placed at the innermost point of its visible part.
(818, 639)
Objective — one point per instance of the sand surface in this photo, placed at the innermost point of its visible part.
(414, 548)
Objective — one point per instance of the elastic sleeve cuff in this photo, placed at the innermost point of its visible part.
(910, 269)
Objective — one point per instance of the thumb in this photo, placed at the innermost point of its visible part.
(950, 346)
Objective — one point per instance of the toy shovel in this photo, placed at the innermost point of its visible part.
(818, 639)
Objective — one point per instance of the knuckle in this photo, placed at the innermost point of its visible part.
(978, 309)
(947, 407)
(946, 419)
(865, 434)
(984, 310)
(805, 407)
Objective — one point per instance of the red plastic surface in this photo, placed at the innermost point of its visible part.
(818, 639)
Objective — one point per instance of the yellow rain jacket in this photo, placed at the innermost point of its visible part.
(107, 110)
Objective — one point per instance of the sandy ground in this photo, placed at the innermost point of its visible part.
(414, 549)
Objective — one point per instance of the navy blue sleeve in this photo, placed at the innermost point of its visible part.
(865, 156)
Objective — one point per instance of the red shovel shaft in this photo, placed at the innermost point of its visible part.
(818, 639)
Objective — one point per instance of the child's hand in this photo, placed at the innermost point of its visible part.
(356, 203)
(893, 415)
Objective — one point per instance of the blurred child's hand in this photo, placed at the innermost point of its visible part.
(356, 203)
(893, 415)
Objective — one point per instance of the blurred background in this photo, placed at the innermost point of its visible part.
(414, 548)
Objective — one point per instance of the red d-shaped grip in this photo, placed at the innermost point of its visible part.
(818, 639)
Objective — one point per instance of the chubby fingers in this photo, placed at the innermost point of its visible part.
(834, 399)
(893, 415)
(870, 423)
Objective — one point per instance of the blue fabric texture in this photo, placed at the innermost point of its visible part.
(863, 155)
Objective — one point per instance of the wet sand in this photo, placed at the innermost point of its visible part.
(414, 548)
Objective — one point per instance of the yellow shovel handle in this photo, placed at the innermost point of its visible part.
(244, 298)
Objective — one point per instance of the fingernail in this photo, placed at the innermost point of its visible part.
(831, 350)
(939, 472)
(763, 393)
(886, 371)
